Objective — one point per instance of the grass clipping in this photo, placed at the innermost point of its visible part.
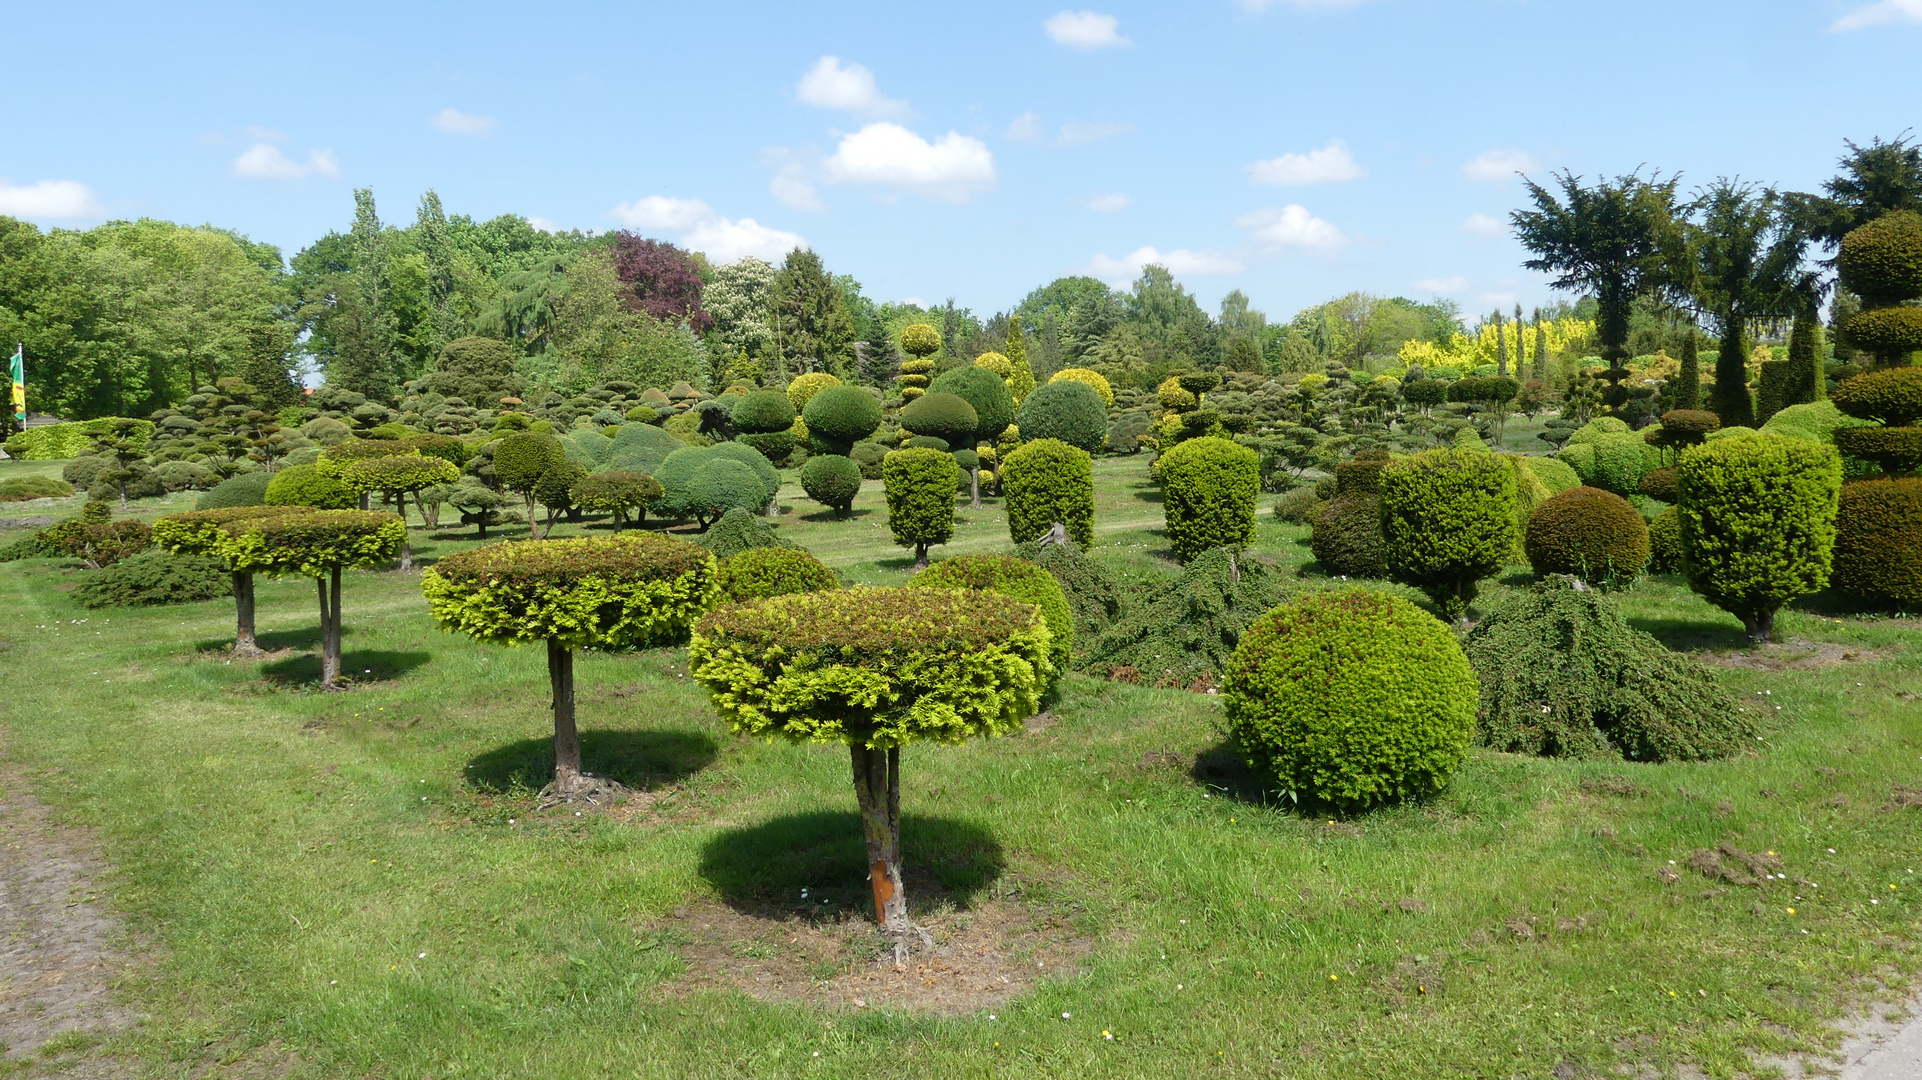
(1564, 675)
(1180, 633)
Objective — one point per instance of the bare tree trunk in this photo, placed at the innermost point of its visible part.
(533, 523)
(428, 521)
(330, 629)
(617, 522)
(877, 787)
(974, 489)
(244, 642)
(1760, 626)
(567, 739)
(920, 556)
(365, 496)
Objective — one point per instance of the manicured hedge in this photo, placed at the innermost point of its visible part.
(1588, 533)
(1209, 490)
(57, 442)
(1049, 481)
(1878, 539)
(920, 484)
(758, 573)
(1346, 537)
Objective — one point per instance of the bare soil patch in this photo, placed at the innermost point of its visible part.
(1793, 656)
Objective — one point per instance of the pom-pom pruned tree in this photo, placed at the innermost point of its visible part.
(319, 544)
(202, 533)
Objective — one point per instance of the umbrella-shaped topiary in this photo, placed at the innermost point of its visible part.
(617, 493)
(319, 544)
(396, 477)
(520, 460)
(202, 532)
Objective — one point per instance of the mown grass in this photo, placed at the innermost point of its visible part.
(357, 884)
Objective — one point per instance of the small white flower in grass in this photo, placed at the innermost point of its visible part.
(1064, 1016)
(422, 956)
(1107, 1035)
(1831, 851)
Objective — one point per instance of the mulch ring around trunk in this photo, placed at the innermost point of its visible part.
(1794, 656)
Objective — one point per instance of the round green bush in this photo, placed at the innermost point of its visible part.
(1049, 481)
(1612, 460)
(1351, 699)
(247, 489)
(1895, 449)
(868, 456)
(1889, 331)
(698, 484)
(1068, 410)
(928, 442)
(763, 411)
(155, 577)
(22, 488)
(1209, 488)
(758, 573)
(985, 392)
(840, 416)
(833, 481)
(1665, 542)
(1009, 576)
(775, 446)
(521, 459)
(1892, 397)
(81, 471)
(1094, 380)
(920, 339)
(1660, 484)
(767, 474)
(1590, 534)
(1882, 261)
(1346, 537)
(1878, 539)
(1556, 476)
(555, 488)
(1448, 520)
(304, 485)
(1758, 522)
(943, 416)
(920, 484)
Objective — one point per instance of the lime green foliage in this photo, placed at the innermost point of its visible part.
(57, 442)
(1564, 675)
(1818, 421)
(1067, 410)
(1589, 533)
(805, 387)
(920, 483)
(920, 339)
(1049, 481)
(310, 542)
(337, 459)
(943, 416)
(305, 485)
(1180, 631)
(840, 416)
(879, 668)
(760, 572)
(1094, 379)
(831, 480)
(1878, 539)
(204, 532)
(623, 592)
(1608, 456)
(1012, 577)
(1209, 489)
(618, 493)
(1448, 520)
(247, 489)
(1467, 438)
(1665, 542)
(1892, 397)
(395, 475)
(988, 395)
(155, 577)
(22, 488)
(1530, 492)
(737, 531)
(1093, 595)
(1352, 699)
(1758, 523)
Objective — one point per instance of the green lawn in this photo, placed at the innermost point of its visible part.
(359, 884)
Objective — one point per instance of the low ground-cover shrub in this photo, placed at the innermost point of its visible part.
(738, 531)
(1180, 631)
(1093, 595)
(22, 488)
(155, 577)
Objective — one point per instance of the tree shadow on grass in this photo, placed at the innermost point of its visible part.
(1148, 493)
(767, 865)
(1835, 604)
(367, 665)
(273, 641)
(637, 759)
(827, 516)
(1694, 635)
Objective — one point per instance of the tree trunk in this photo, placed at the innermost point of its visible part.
(617, 522)
(877, 787)
(427, 520)
(774, 506)
(974, 489)
(920, 556)
(567, 740)
(1760, 626)
(330, 629)
(533, 522)
(244, 641)
(365, 498)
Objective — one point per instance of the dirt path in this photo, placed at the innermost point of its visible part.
(58, 954)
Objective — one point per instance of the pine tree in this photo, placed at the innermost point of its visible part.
(1688, 385)
(811, 323)
(1521, 343)
(1805, 359)
(1501, 346)
(1541, 347)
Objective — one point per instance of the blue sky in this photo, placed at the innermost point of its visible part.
(1296, 149)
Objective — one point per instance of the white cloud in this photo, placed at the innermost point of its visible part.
(1179, 261)
(264, 161)
(1879, 14)
(831, 85)
(1026, 127)
(1076, 134)
(1292, 226)
(264, 134)
(1108, 204)
(953, 167)
(1442, 286)
(1500, 165)
(60, 200)
(791, 187)
(727, 240)
(541, 224)
(1483, 225)
(1084, 30)
(1331, 164)
(455, 122)
(1501, 299)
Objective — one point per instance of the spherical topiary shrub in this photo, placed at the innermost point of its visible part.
(1045, 482)
(697, 483)
(1094, 379)
(1346, 537)
(833, 481)
(1758, 523)
(1009, 576)
(1882, 261)
(1067, 410)
(805, 387)
(943, 416)
(1351, 699)
(767, 474)
(920, 339)
(1209, 488)
(305, 485)
(758, 573)
(920, 484)
(1878, 539)
(764, 420)
(868, 455)
(840, 416)
(155, 577)
(1590, 534)
(617, 493)
(1665, 542)
(1448, 520)
(987, 394)
(247, 489)
(1661, 484)
(1892, 397)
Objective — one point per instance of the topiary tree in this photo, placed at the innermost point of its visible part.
(304, 485)
(876, 669)
(1047, 482)
(1589, 534)
(396, 478)
(621, 592)
(1209, 489)
(943, 416)
(1892, 398)
(920, 341)
(697, 483)
(766, 473)
(1878, 539)
(319, 544)
(920, 483)
(479, 505)
(739, 530)
(554, 491)
(520, 460)
(1094, 380)
(1448, 520)
(840, 416)
(1758, 523)
(1068, 410)
(617, 493)
(1351, 699)
(247, 489)
(764, 420)
(1346, 534)
(1016, 578)
(988, 395)
(335, 460)
(833, 481)
(762, 572)
(201, 534)
(806, 386)
(1882, 263)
